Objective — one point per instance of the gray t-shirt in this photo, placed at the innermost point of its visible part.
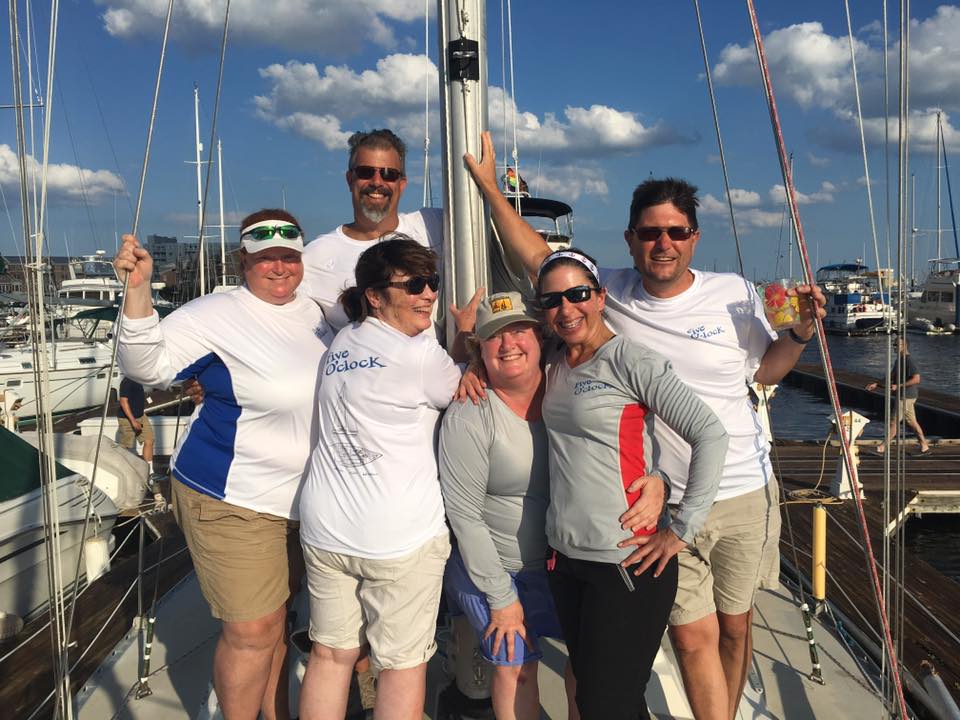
(600, 419)
(493, 473)
(910, 392)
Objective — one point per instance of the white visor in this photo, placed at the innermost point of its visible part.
(276, 240)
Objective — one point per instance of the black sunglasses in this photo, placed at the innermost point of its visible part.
(366, 172)
(415, 285)
(578, 294)
(650, 233)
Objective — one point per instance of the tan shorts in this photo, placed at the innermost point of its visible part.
(128, 438)
(736, 553)
(248, 563)
(908, 409)
(392, 604)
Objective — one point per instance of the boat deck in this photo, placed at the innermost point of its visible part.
(186, 634)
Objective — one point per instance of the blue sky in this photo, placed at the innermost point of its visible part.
(604, 99)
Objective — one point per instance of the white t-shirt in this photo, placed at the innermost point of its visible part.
(372, 489)
(249, 442)
(330, 260)
(715, 335)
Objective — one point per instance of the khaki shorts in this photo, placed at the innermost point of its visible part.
(248, 563)
(736, 553)
(128, 438)
(908, 409)
(391, 604)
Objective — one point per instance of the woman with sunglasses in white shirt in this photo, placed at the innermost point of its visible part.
(374, 536)
(239, 465)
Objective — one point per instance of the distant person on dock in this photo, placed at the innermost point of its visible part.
(909, 392)
(712, 328)
(376, 177)
(238, 468)
(132, 419)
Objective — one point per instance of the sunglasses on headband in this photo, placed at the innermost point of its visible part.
(651, 233)
(578, 294)
(415, 285)
(366, 172)
(265, 232)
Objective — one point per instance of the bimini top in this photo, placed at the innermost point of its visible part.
(542, 207)
(843, 267)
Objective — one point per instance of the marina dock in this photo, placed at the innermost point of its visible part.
(937, 412)
(931, 624)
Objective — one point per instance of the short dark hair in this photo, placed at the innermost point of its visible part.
(269, 214)
(562, 261)
(398, 253)
(382, 139)
(669, 190)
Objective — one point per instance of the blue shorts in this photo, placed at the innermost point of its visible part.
(539, 612)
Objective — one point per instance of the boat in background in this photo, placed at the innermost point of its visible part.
(858, 300)
(24, 590)
(937, 310)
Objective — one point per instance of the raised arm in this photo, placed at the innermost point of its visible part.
(135, 261)
(517, 235)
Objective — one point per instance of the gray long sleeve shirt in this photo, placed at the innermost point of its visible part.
(493, 473)
(600, 418)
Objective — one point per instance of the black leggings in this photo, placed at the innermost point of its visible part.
(612, 634)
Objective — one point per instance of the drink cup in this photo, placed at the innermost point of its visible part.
(782, 310)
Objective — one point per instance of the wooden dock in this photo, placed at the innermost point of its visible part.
(937, 412)
(931, 627)
(27, 675)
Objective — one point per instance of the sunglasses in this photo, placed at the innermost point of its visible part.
(415, 285)
(265, 232)
(366, 172)
(578, 294)
(651, 233)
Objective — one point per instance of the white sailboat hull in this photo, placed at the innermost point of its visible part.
(24, 589)
(78, 376)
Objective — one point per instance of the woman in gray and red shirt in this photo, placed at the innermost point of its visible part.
(603, 396)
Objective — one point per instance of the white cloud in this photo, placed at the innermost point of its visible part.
(817, 161)
(318, 104)
(744, 198)
(334, 27)
(748, 218)
(568, 182)
(812, 67)
(63, 181)
(778, 195)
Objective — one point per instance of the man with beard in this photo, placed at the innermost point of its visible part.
(376, 176)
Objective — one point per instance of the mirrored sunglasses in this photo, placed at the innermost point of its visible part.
(578, 294)
(650, 233)
(265, 232)
(366, 172)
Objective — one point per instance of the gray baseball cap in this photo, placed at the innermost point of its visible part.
(501, 309)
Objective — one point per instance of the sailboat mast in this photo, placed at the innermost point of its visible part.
(223, 229)
(463, 92)
(939, 140)
(913, 229)
(199, 149)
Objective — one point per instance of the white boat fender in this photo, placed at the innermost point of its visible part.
(10, 625)
(96, 557)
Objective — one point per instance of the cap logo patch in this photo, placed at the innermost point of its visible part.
(501, 305)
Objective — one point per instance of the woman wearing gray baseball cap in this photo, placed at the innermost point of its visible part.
(238, 468)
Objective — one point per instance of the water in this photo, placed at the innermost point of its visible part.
(800, 415)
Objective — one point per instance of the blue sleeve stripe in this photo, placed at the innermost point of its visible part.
(207, 453)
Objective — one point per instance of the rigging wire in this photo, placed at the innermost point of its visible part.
(824, 352)
(863, 150)
(118, 323)
(427, 189)
(716, 125)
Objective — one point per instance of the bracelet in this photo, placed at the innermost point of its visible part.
(799, 340)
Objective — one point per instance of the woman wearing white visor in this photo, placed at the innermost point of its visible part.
(238, 468)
